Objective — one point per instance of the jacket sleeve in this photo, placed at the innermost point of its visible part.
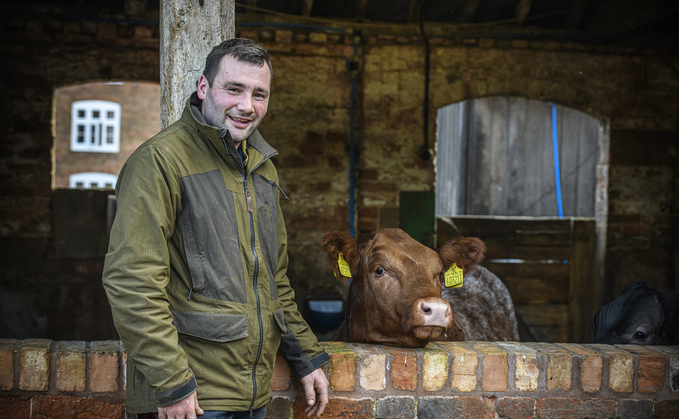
(137, 272)
(299, 345)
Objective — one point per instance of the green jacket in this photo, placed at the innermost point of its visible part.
(196, 272)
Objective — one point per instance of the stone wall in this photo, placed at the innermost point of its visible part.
(634, 90)
(50, 380)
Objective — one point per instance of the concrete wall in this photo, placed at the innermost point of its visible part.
(51, 380)
(635, 90)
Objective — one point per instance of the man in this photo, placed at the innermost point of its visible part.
(196, 268)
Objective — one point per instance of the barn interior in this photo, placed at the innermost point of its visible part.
(439, 117)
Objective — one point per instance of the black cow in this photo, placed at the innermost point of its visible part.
(640, 315)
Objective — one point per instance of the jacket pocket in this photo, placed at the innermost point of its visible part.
(210, 235)
(211, 326)
(266, 198)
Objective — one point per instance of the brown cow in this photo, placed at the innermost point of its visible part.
(395, 295)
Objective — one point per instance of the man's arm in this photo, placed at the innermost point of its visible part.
(137, 272)
(312, 383)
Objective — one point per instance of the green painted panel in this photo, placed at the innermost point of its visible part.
(417, 216)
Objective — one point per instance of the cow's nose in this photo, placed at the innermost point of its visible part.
(425, 309)
(435, 313)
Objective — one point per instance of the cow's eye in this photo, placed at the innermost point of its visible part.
(379, 271)
(640, 336)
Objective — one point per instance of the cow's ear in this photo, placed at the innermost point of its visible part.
(335, 243)
(465, 252)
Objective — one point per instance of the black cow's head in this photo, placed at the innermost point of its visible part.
(635, 316)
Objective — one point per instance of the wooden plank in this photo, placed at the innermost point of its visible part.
(483, 160)
(451, 159)
(558, 272)
(497, 189)
(582, 305)
(536, 154)
(590, 153)
(516, 176)
(505, 227)
(532, 291)
(568, 121)
(543, 238)
(508, 249)
(548, 322)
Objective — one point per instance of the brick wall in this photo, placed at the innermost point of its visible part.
(46, 379)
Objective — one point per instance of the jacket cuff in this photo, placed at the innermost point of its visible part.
(298, 360)
(176, 394)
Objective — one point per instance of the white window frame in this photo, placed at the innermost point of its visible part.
(95, 126)
(92, 180)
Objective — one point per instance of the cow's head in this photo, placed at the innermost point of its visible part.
(395, 293)
(635, 316)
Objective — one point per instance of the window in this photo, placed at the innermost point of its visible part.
(95, 126)
(92, 180)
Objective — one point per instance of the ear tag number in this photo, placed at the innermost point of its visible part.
(343, 266)
(453, 277)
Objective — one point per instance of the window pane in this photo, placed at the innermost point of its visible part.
(81, 113)
(109, 185)
(93, 136)
(110, 114)
(109, 135)
(81, 134)
(79, 184)
(93, 184)
(95, 114)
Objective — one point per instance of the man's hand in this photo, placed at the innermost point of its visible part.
(312, 383)
(184, 409)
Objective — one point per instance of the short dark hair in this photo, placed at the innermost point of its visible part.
(239, 48)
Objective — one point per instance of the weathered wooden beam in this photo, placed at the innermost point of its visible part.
(522, 10)
(189, 29)
(252, 3)
(576, 13)
(469, 11)
(307, 5)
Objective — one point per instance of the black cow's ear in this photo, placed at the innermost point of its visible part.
(342, 254)
(465, 252)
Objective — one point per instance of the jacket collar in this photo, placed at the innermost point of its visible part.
(217, 137)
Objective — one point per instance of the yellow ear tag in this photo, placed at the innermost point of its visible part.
(453, 277)
(343, 266)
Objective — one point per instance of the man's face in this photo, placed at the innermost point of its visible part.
(238, 98)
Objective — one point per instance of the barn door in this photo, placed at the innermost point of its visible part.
(496, 156)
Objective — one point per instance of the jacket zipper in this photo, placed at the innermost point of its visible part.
(241, 170)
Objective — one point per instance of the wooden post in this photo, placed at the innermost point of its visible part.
(189, 29)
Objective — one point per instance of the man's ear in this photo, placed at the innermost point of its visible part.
(465, 252)
(202, 86)
(335, 242)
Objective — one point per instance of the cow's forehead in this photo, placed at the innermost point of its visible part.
(394, 243)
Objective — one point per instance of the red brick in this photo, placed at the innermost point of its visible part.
(337, 409)
(104, 366)
(60, 407)
(14, 407)
(466, 407)
(281, 374)
(667, 409)
(651, 369)
(277, 408)
(591, 366)
(34, 364)
(495, 367)
(367, 174)
(7, 347)
(71, 360)
(403, 368)
(342, 369)
(561, 407)
(515, 407)
(367, 212)
(367, 225)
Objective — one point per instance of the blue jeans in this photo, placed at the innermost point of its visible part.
(216, 414)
